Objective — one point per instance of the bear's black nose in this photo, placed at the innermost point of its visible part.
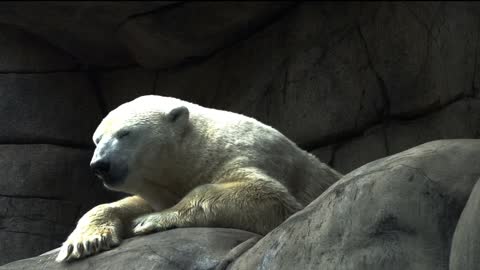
(101, 168)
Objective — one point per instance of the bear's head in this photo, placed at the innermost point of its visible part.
(137, 140)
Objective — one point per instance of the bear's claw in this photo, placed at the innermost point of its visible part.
(147, 224)
(77, 247)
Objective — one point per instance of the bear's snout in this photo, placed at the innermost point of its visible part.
(101, 168)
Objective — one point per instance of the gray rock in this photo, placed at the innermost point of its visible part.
(324, 70)
(31, 225)
(25, 52)
(44, 191)
(50, 172)
(458, 120)
(187, 248)
(121, 86)
(358, 151)
(466, 240)
(85, 29)
(398, 212)
(307, 77)
(424, 53)
(193, 30)
(59, 108)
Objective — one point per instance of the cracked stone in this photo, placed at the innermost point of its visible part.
(84, 29)
(425, 62)
(460, 119)
(193, 30)
(301, 83)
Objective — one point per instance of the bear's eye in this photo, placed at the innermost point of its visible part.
(122, 133)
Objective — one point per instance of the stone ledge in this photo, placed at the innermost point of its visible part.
(178, 249)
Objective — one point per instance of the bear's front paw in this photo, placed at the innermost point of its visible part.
(88, 240)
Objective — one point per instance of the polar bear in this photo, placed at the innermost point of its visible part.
(188, 165)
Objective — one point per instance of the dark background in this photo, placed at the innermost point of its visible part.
(350, 82)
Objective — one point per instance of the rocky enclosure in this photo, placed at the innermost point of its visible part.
(350, 82)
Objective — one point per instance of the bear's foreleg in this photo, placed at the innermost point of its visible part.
(102, 228)
(253, 205)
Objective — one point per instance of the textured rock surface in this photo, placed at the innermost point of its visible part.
(55, 107)
(124, 85)
(307, 77)
(423, 53)
(85, 29)
(48, 114)
(398, 212)
(329, 78)
(190, 248)
(50, 172)
(460, 119)
(25, 52)
(466, 240)
(370, 146)
(31, 225)
(42, 194)
(193, 30)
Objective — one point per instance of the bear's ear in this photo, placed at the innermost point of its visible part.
(179, 114)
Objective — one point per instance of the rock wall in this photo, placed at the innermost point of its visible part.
(48, 113)
(350, 82)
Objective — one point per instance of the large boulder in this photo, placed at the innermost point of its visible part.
(398, 212)
(466, 240)
(178, 249)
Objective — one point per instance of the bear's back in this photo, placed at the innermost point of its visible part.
(262, 146)
(221, 139)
